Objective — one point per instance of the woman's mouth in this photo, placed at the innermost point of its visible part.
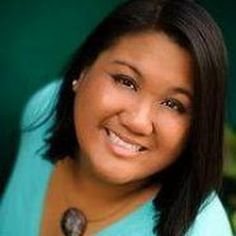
(122, 146)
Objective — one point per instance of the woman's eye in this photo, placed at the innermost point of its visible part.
(175, 105)
(126, 81)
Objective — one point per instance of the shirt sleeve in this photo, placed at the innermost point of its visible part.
(211, 220)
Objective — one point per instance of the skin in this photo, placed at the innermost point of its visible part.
(140, 89)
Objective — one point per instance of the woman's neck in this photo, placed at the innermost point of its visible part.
(97, 199)
(102, 204)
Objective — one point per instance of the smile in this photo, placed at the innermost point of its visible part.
(118, 141)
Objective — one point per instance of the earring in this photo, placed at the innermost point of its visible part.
(74, 85)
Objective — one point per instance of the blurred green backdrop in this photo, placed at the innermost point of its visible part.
(38, 37)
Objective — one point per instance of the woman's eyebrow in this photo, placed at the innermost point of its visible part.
(132, 67)
(184, 91)
(175, 90)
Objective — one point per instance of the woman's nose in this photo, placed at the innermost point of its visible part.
(137, 119)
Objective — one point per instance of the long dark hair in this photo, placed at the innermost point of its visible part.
(197, 172)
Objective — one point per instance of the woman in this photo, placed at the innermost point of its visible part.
(135, 146)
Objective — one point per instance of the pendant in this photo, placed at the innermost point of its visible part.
(73, 222)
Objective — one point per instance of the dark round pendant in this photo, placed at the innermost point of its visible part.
(73, 222)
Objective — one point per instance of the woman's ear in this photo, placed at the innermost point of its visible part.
(76, 83)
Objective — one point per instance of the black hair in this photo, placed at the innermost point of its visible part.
(197, 172)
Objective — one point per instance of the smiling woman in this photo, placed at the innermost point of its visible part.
(140, 122)
(134, 143)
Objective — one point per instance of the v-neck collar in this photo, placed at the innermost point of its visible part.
(141, 219)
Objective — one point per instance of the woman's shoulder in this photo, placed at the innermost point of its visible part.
(36, 120)
(21, 202)
(40, 104)
(211, 219)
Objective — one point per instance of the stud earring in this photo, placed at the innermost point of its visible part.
(74, 85)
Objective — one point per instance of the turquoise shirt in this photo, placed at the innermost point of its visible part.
(23, 202)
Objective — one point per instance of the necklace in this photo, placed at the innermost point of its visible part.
(73, 222)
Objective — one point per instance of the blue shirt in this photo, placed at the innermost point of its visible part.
(23, 202)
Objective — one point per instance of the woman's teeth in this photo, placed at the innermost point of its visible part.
(121, 143)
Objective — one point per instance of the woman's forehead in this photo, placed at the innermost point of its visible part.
(153, 58)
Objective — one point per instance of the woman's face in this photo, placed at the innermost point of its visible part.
(132, 108)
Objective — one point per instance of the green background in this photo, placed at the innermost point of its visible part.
(38, 37)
